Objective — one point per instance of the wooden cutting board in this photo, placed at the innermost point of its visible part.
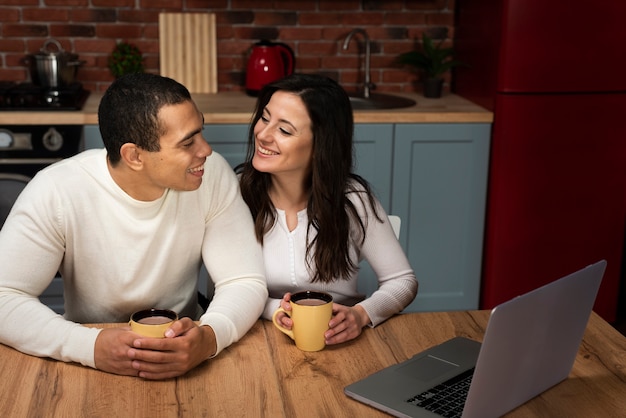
(188, 50)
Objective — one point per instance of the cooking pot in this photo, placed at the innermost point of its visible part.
(52, 66)
(268, 61)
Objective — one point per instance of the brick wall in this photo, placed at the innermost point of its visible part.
(314, 29)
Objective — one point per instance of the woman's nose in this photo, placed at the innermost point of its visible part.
(262, 132)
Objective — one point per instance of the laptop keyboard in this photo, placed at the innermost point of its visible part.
(446, 399)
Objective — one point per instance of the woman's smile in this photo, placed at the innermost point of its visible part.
(266, 151)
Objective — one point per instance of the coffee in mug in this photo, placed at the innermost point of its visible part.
(152, 322)
(310, 312)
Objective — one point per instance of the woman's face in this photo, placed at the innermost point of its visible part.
(283, 137)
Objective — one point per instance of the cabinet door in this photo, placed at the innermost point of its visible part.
(373, 145)
(228, 140)
(92, 138)
(439, 191)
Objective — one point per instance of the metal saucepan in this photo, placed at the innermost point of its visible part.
(53, 67)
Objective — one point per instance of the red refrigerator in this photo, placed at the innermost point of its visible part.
(554, 74)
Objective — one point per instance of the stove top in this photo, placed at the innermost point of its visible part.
(27, 96)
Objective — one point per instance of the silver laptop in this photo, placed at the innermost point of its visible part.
(530, 345)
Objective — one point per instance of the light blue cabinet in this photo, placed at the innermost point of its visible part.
(439, 191)
(434, 176)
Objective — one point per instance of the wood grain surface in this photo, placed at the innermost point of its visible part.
(188, 50)
(265, 375)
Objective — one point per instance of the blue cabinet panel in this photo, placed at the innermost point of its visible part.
(228, 140)
(373, 145)
(439, 191)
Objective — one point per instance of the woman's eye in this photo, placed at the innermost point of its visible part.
(264, 118)
(285, 132)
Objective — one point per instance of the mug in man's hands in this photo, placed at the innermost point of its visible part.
(310, 312)
(152, 322)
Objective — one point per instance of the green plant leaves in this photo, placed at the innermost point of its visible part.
(433, 60)
(126, 58)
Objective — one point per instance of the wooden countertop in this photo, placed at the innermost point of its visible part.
(264, 374)
(237, 107)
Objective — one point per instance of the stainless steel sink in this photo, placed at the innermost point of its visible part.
(379, 101)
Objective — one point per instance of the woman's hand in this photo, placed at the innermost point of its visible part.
(281, 317)
(346, 323)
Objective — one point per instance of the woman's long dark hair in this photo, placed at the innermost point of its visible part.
(329, 210)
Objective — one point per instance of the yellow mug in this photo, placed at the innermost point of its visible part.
(310, 312)
(152, 322)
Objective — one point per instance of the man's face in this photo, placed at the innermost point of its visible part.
(179, 164)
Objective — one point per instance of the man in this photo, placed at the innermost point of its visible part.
(128, 228)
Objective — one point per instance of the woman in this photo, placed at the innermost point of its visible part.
(315, 218)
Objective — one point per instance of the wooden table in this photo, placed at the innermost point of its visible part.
(264, 374)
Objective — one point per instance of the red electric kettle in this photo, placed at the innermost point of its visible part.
(268, 61)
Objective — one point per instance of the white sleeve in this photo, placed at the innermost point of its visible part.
(233, 258)
(397, 285)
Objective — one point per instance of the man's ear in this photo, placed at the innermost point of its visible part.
(131, 156)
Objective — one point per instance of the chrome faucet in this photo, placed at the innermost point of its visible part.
(368, 83)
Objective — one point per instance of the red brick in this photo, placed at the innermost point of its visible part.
(233, 47)
(363, 18)
(439, 19)
(93, 15)
(13, 74)
(427, 4)
(17, 60)
(164, 5)
(317, 48)
(405, 18)
(94, 45)
(113, 3)
(45, 15)
(300, 33)
(88, 31)
(66, 2)
(9, 15)
(118, 31)
(12, 45)
(24, 30)
(275, 18)
(348, 5)
(308, 63)
(19, 2)
(207, 4)
(319, 18)
(151, 32)
(138, 16)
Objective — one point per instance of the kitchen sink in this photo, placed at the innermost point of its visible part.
(379, 101)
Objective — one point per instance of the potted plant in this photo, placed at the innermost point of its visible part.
(434, 61)
(126, 58)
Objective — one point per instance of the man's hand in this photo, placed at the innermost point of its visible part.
(185, 346)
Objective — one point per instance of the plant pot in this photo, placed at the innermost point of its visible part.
(433, 87)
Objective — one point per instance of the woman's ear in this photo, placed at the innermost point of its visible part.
(131, 156)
